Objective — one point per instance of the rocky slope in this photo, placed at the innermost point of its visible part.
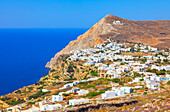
(153, 33)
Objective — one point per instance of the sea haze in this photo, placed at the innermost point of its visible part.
(25, 52)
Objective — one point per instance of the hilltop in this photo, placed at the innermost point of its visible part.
(153, 33)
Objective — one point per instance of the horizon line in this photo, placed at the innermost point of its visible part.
(40, 28)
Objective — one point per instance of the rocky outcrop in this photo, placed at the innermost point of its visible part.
(153, 33)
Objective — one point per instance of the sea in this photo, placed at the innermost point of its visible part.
(25, 52)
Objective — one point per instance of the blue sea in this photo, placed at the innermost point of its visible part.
(25, 52)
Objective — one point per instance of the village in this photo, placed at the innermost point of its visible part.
(121, 71)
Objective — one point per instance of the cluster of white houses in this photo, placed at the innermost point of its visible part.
(167, 68)
(116, 92)
(109, 52)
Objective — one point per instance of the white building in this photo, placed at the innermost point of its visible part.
(50, 107)
(78, 101)
(56, 98)
(45, 90)
(137, 87)
(108, 94)
(152, 79)
(153, 86)
(137, 79)
(126, 89)
(119, 92)
(117, 22)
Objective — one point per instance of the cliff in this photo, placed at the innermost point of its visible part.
(153, 33)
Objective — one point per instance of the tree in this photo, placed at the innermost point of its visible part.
(93, 73)
(57, 77)
(70, 69)
(77, 70)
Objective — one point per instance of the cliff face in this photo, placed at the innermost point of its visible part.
(153, 33)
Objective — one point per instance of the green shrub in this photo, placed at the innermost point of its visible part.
(52, 70)
(70, 69)
(45, 79)
(145, 93)
(18, 91)
(146, 88)
(30, 88)
(40, 87)
(70, 79)
(65, 94)
(54, 83)
(141, 79)
(134, 92)
(168, 83)
(57, 77)
(116, 80)
(101, 91)
(93, 73)
(56, 93)
(36, 95)
(69, 106)
(6, 98)
(70, 98)
(14, 102)
(30, 103)
(120, 83)
(148, 70)
(162, 87)
(92, 94)
(160, 72)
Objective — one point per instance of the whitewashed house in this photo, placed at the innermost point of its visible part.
(45, 90)
(138, 87)
(137, 79)
(153, 86)
(113, 74)
(126, 89)
(56, 98)
(78, 101)
(55, 106)
(44, 107)
(117, 22)
(151, 79)
(119, 92)
(48, 107)
(108, 94)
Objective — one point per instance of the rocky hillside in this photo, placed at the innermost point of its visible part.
(153, 33)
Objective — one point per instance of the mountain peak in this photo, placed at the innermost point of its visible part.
(152, 33)
(111, 18)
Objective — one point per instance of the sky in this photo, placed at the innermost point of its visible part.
(77, 13)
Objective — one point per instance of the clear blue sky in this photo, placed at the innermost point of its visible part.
(77, 13)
